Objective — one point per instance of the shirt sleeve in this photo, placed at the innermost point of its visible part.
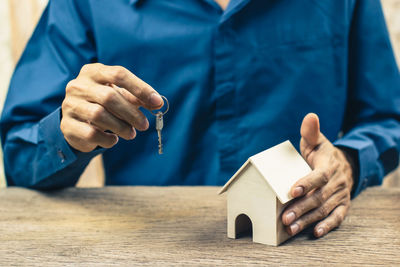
(36, 154)
(372, 122)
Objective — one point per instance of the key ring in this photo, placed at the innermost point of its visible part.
(162, 113)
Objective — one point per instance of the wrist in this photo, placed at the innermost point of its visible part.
(352, 159)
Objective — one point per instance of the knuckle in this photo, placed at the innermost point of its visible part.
(97, 113)
(71, 85)
(64, 127)
(323, 211)
(342, 184)
(318, 198)
(306, 183)
(299, 209)
(336, 165)
(324, 174)
(65, 105)
(143, 89)
(342, 194)
(324, 195)
(69, 108)
(86, 68)
(346, 199)
(118, 74)
(90, 134)
(97, 65)
(139, 92)
(90, 69)
(348, 181)
(339, 217)
(108, 97)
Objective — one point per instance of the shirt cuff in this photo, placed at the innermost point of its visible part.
(61, 153)
(366, 156)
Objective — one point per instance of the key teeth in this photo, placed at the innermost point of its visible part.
(160, 147)
(160, 150)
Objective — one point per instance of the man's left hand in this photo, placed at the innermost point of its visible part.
(322, 196)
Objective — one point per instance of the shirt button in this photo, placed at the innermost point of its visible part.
(61, 155)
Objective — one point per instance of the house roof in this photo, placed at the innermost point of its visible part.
(281, 166)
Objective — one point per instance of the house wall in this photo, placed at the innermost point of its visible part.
(281, 233)
(251, 195)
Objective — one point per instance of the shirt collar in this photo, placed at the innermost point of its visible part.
(233, 7)
(134, 2)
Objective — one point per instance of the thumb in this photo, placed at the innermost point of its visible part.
(309, 130)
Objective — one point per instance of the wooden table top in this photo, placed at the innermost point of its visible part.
(178, 226)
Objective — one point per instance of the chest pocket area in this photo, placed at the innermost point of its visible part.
(290, 58)
(273, 23)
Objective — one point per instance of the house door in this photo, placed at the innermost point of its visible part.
(243, 226)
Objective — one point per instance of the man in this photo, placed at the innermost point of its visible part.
(239, 76)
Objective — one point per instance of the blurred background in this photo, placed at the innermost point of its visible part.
(19, 18)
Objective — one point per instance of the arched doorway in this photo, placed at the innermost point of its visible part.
(243, 226)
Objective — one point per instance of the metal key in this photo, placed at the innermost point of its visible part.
(159, 126)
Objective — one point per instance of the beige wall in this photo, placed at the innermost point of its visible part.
(392, 14)
(19, 18)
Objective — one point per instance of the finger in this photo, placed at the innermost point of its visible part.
(316, 214)
(332, 221)
(122, 77)
(315, 179)
(301, 206)
(85, 137)
(97, 115)
(116, 104)
(312, 140)
(128, 96)
(312, 200)
(310, 130)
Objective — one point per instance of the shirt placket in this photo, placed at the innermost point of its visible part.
(225, 55)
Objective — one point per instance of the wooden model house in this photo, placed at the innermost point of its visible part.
(260, 190)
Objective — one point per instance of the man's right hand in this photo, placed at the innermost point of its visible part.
(105, 98)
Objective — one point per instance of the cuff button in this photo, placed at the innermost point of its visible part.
(61, 155)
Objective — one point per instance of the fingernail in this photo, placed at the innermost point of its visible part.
(320, 232)
(155, 99)
(290, 217)
(133, 133)
(298, 191)
(294, 228)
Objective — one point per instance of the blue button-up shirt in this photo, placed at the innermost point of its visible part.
(238, 81)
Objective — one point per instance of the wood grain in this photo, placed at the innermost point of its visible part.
(178, 226)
